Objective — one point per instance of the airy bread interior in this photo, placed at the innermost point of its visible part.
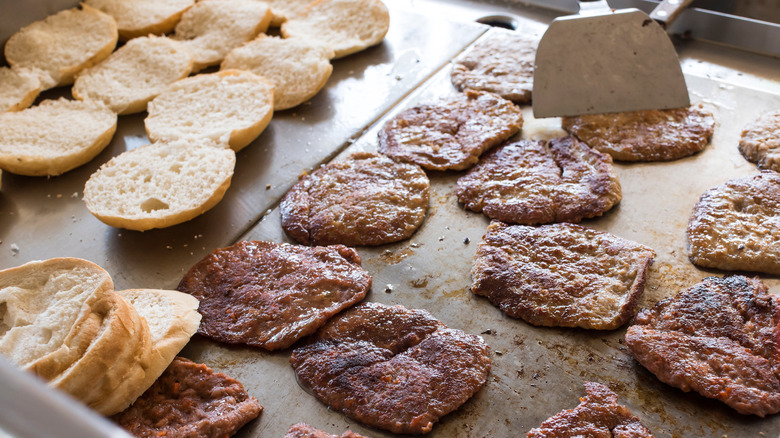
(136, 18)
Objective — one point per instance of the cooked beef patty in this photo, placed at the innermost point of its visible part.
(652, 135)
(451, 133)
(392, 368)
(561, 275)
(734, 226)
(502, 64)
(760, 141)
(598, 415)
(190, 400)
(366, 199)
(532, 182)
(303, 430)
(718, 338)
(270, 295)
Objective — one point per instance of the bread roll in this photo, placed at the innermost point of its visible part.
(18, 90)
(136, 18)
(284, 10)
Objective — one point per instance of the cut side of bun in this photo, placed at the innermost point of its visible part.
(159, 185)
(284, 10)
(136, 18)
(63, 44)
(230, 107)
(298, 68)
(348, 26)
(54, 137)
(133, 75)
(18, 90)
(212, 28)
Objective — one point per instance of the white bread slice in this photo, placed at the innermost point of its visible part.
(348, 26)
(230, 107)
(133, 75)
(63, 44)
(284, 10)
(212, 28)
(136, 18)
(44, 306)
(298, 68)
(115, 362)
(159, 185)
(54, 137)
(18, 89)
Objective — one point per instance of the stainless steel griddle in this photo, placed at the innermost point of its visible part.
(536, 371)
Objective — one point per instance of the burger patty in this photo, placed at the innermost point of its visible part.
(190, 400)
(734, 226)
(598, 415)
(533, 182)
(651, 135)
(269, 294)
(760, 142)
(561, 275)
(303, 430)
(392, 368)
(452, 133)
(366, 199)
(718, 338)
(502, 63)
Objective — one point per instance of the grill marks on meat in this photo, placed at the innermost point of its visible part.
(188, 400)
(533, 182)
(367, 199)
(392, 368)
(598, 415)
(760, 142)
(452, 133)
(502, 64)
(302, 430)
(561, 275)
(735, 226)
(718, 338)
(651, 135)
(270, 295)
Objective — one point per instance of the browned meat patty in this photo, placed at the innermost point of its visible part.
(190, 400)
(652, 135)
(367, 199)
(303, 430)
(561, 275)
(532, 182)
(598, 415)
(270, 295)
(452, 133)
(760, 141)
(734, 226)
(718, 338)
(502, 63)
(392, 368)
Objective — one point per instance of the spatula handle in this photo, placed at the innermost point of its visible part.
(668, 11)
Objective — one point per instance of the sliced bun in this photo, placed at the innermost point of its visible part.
(63, 44)
(44, 307)
(298, 68)
(284, 10)
(159, 185)
(348, 26)
(136, 18)
(54, 137)
(133, 75)
(18, 89)
(212, 28)
(230, 107)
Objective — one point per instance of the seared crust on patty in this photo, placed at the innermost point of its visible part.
(718, 338)
(561, 275)
(452, 133)
(392, 368)
(532, 182)
(269, 294)
(760, 142)
(734, 226)
(597, 415)
(366, 199)
(651, 135)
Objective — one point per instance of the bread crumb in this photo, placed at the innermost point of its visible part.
(14, 249)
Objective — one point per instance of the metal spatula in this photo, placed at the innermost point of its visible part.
(606, 60)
